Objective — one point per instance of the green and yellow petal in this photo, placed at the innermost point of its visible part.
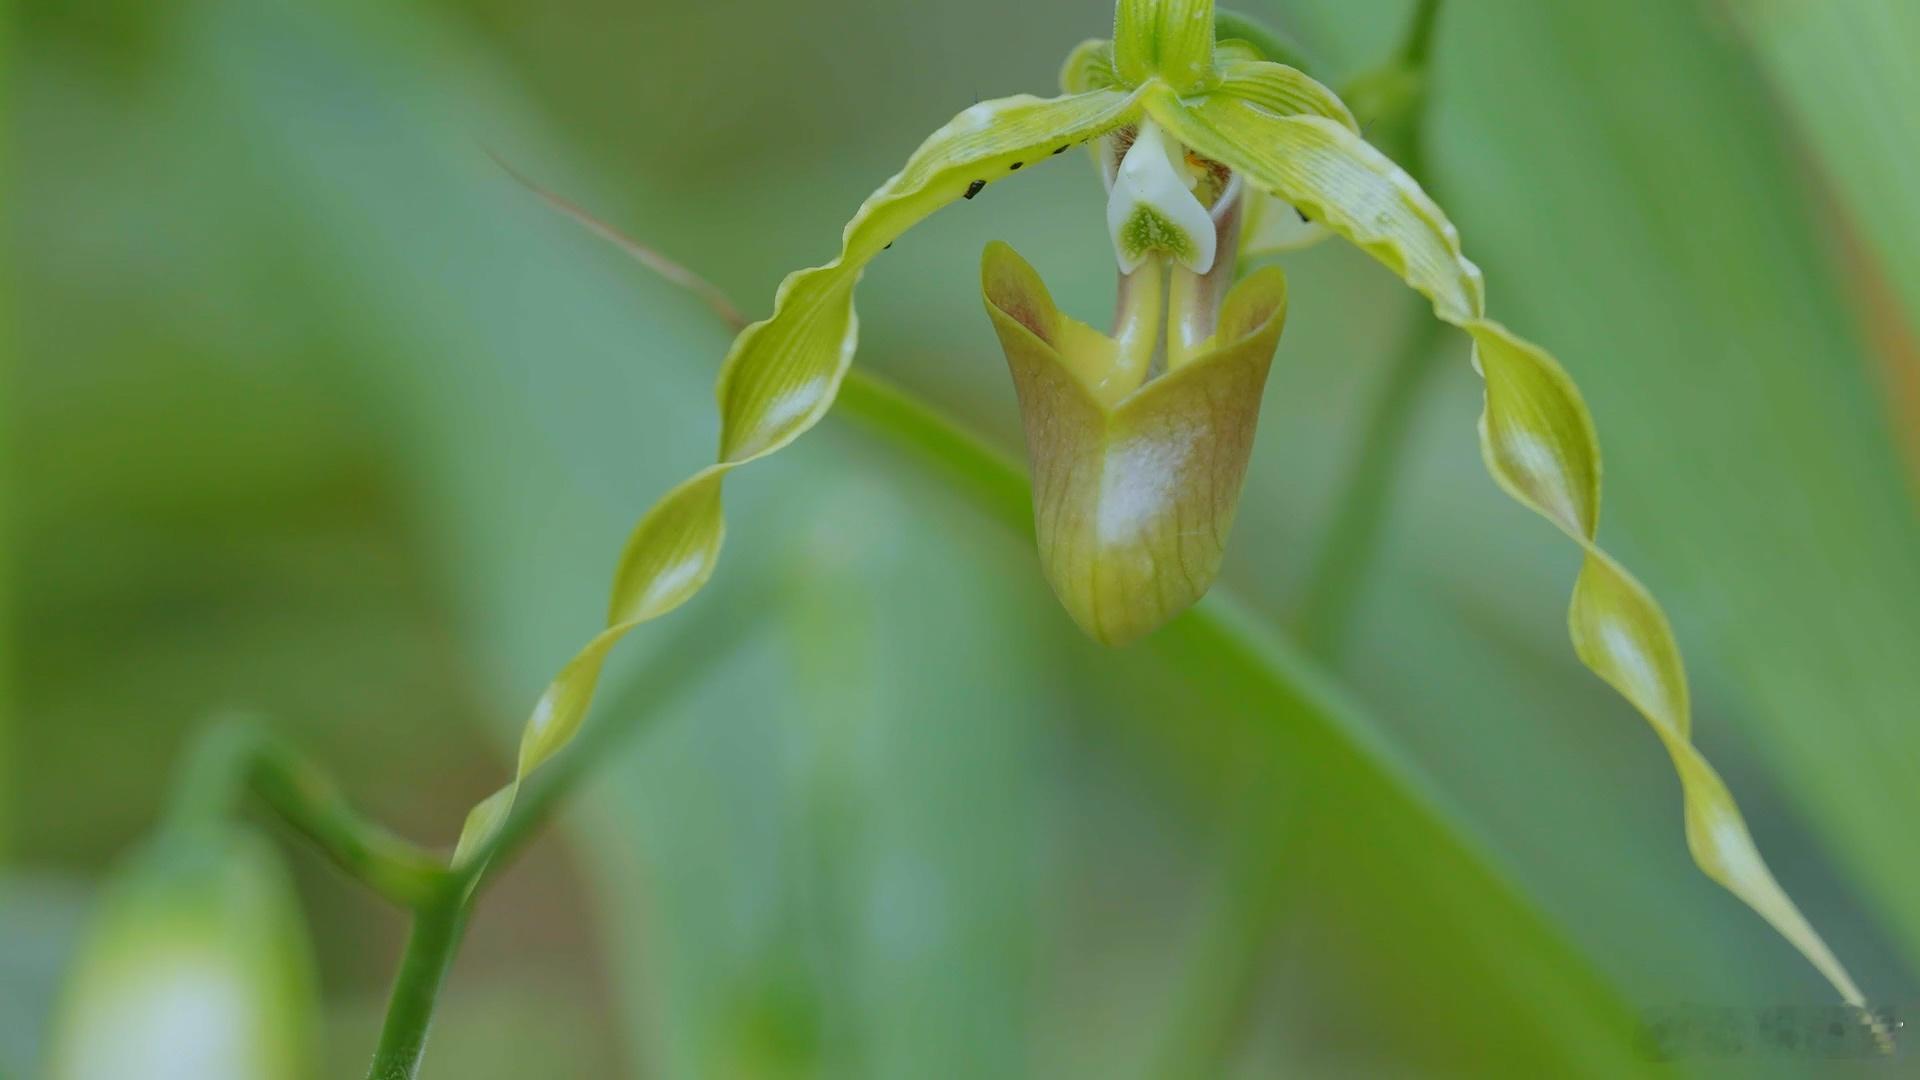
(779, 378)
(1536, 437)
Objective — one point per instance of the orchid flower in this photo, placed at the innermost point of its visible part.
(1139, 439)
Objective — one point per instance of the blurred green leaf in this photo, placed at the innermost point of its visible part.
(309, 184)
(1845, 70)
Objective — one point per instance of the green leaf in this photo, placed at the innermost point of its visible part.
(1537, 440)
(1168, 39)
(1845, 69)
(779, 379)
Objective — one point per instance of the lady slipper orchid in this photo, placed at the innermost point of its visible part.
(1213, 154)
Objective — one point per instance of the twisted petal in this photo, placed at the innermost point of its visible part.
(779, 379)
(1133, 503)
(1536, 437)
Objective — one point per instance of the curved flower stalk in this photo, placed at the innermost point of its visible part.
(1195, 139)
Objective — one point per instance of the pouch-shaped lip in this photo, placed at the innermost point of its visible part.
(1255, 308)
(1134, 495)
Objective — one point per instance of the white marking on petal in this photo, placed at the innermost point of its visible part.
(1737, 855)
(671, 580)
(794, 403)
(1532, 457)
(1636, 670)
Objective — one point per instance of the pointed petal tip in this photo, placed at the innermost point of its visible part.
(1013, 288)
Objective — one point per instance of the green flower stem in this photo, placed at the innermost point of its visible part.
(1418, 44)
(992, 479)
(236, 757)
(712, 632)
(431, 943)
(1352, 541)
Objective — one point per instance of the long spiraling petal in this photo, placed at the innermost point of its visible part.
(779, 379)
(1538, 442)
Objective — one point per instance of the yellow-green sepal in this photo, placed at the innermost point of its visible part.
(195, 963)
(1089, 67)
(1166, 39)
(1133, 500)
(1283, 91)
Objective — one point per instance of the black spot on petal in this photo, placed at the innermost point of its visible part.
(976, 188)
(1015, 167)
(1062, 150)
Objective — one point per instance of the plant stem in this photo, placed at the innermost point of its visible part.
(708, 636)
(1418, 44)
(1353, 539)
(435, 935)
(236, 756)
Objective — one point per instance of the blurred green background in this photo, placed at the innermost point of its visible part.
(312, 411)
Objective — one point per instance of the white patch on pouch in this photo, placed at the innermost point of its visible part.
(1142, 482)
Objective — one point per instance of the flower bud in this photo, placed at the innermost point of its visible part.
(196, 964)
(1134, 490)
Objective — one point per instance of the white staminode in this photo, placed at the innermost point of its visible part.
(1152, 207)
